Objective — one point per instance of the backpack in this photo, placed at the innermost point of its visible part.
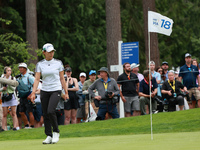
(23, 89)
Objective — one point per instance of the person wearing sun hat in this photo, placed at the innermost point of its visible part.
(107, 89)
(52, 72)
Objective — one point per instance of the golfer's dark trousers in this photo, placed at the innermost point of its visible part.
(49, 101)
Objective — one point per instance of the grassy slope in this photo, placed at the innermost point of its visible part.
(183, 121)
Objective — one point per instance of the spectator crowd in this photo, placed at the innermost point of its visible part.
(159, 88)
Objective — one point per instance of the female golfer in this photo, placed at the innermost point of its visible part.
(52, 72)
(9, 100)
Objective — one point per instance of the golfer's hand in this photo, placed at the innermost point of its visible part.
(66, 96)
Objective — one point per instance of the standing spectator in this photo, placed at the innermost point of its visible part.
(87, 83)
(165, 67)
(52, 72)
(160, 70)
(135, 69)
(176, 74)
(71, 106)
(107, 89)
(81, 111)
(37, 112)
(190, 73)
(195, 63)
(154, 73)
(24, 89)
(171, 90)
(1, 113)
(129, 93)
(144, 93)
(9, 100)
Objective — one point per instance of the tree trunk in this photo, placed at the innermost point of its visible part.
(31, 29)
(154, 51)
(113, 33)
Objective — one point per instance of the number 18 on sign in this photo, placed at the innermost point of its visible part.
(130, 52)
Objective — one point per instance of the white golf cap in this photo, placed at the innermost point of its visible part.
(23, 65)
(134, 65)
(48, 47)
(82, 74)
(188, 55)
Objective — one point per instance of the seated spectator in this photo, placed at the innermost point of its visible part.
(171, 91)
(144, 92)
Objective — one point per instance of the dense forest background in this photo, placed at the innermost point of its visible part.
(77, 29)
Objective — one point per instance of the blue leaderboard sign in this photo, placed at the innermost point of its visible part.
(130, 52)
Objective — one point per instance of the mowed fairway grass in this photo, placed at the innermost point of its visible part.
(172, 130)
(165, 141)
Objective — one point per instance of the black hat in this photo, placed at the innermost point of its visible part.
(164, 62)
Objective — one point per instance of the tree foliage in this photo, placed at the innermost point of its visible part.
(77, 29)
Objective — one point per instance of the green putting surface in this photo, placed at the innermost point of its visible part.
(168, 141)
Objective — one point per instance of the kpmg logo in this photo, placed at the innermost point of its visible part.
(155, 22)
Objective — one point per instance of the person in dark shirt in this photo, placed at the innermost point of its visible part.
(144, 93)
(171, 91)
(190, 73)
(129, 93)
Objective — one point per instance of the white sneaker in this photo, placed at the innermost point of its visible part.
(48, 140)
(55, 138)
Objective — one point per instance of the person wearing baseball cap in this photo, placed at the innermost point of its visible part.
(81, 98)
(189, 74)
(25, 106)
(165, 67)
(87, 83)
(92, 78)
(107, 91)
(52, 72)
(135, 69)
(71, 106)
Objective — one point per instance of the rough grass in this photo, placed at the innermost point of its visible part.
(170, 122)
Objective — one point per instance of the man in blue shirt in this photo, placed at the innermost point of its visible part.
(144, 92)
(25, 104)
(189, 73)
